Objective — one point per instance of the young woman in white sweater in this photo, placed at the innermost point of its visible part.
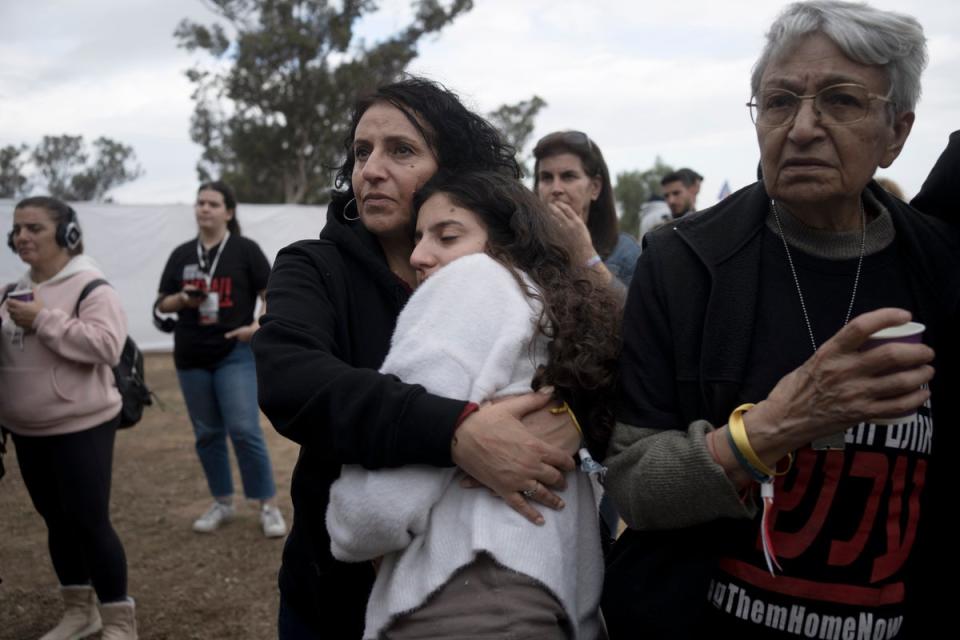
(500, 309)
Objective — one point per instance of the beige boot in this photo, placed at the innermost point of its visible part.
(80, 615)
(119, 621)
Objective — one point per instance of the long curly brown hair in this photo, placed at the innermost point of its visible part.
(581, 314)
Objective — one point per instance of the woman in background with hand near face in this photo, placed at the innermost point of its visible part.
(571, 176)
(212, 282)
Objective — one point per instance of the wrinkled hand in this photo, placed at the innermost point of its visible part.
(244, 333)
(494, 447)
(574, 228)
(840, 386)
(23, 313)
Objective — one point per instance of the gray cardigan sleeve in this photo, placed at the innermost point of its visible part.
(667, 479)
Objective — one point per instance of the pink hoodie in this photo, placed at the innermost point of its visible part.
(59, 378)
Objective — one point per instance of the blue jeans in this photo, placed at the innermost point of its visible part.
(223, 401)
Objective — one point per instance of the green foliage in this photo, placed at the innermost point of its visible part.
(633, 188)
(58, 159)
(13, 183)
(273, 113)
(515, 122)
(62, 163)
(114, 165)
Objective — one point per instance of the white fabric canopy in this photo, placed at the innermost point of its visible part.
(132, 243)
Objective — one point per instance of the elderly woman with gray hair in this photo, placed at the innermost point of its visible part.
(780, 477)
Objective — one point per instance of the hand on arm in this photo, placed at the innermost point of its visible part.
(495, 448)
(548, 424)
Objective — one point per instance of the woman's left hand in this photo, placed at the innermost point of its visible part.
(22, 313)
(573, 227)
(244, 333)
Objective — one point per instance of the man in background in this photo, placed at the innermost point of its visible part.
(680, 189)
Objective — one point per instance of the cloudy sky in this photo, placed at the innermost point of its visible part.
(644, 79)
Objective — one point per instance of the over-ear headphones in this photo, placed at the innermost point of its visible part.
(68, 234)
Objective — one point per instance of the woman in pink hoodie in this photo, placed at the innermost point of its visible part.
(61, 405)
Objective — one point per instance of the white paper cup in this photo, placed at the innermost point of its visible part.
(908, 332)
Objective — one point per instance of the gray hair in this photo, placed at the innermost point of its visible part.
(866, 35)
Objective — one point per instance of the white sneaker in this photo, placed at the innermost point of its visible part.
(217, 514)
(272, 522)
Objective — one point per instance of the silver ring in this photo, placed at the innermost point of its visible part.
(529, 493)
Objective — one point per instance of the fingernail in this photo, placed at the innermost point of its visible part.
(539, 521)
(560, 504)
(547, 390)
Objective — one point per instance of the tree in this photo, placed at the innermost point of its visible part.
(58, 159)
(633, 189)
(62, 162)
(515, 122)
(12, 181)
(273, 121)
(115, 165)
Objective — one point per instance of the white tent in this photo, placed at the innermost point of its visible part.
(132, 243)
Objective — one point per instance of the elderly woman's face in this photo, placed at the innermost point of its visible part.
(392, 161)
(808, 163)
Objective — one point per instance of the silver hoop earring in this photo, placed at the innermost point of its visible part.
(344, 214)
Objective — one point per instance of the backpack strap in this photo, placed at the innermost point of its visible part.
(87, 288)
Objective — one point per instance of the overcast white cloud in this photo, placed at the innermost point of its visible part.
(643, 79)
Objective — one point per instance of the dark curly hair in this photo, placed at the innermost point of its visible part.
(581, 315)
(461, 139)
(602, 221)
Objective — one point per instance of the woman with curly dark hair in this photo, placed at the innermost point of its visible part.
(500, 309)
(332, 308)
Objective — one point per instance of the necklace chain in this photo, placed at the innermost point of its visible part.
(796, 280)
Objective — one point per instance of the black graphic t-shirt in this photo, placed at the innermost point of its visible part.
(844, 522)
(241, 273)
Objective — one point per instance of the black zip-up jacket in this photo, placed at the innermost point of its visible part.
(940, 193)
(700, 280)
(332, 305)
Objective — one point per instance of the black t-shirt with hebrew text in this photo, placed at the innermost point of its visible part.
(844, 522)
(240, 274)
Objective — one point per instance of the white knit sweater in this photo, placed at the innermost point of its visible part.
(468, 332)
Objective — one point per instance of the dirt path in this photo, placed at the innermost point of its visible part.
(187, 586)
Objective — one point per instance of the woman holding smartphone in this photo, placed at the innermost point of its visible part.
(212, 282)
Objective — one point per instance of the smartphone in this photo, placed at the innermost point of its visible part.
(196, 293)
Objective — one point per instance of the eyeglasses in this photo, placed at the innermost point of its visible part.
(573, 139)
(838, 104)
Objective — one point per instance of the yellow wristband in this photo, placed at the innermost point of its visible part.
(739, 433)
(566, 407)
